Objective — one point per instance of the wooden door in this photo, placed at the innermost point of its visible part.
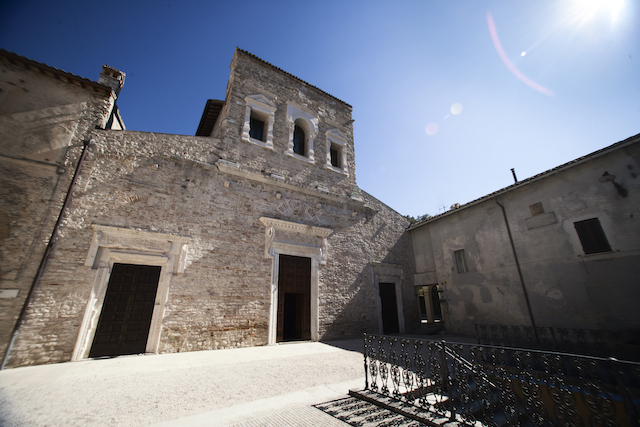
(389, 308)
(123, 327)
(294, 298)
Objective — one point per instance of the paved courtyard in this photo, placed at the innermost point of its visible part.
(245, 387)
(207, 388)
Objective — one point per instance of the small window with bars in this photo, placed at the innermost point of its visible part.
(592, 236)
(461, 261)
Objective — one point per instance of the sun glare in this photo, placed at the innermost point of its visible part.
(586, 10)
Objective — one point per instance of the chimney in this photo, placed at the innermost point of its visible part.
(112, 78)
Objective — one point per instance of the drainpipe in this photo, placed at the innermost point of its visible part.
(515, 256)
(45, 256)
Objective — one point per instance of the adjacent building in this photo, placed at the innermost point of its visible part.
(560, 249)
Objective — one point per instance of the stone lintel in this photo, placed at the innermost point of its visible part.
(174, 248)
(280, 224)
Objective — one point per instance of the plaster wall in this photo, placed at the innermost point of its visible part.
(566, 288)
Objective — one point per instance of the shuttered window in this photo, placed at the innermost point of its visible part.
(592, 236)
(461, 261)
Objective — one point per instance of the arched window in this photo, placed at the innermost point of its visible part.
(303, 128)
(298, 140)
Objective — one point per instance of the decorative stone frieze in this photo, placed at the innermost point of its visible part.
(297, 210)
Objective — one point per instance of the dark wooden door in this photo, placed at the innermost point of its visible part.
(294, 298)
(125, 319)
(389, 308)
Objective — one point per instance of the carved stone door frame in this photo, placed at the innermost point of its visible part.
(111, 245)
(291, 238)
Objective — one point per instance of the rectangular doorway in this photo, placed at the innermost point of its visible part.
(123, 327)
(294, 298)
(429, 301)
(389, 308)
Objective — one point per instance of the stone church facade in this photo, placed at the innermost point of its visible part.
(251, 233)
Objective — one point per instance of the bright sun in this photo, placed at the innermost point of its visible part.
(585, 10)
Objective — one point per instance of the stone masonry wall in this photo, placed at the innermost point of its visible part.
(251, 76)
(43, 123)
(169, 184)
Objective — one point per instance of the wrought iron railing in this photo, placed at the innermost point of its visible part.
(488, 385)
(619, 344)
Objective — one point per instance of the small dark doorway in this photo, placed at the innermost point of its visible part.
(294, 298)
(389, 308)
(123, 327)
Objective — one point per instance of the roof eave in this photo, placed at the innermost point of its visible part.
(580, 160)
(16, 59)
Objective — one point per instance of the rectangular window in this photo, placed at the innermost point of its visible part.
(336, 159)
(592, 236)
(335, 156)
(256, 130)
(461, 261)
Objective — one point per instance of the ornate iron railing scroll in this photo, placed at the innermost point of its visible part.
(620, 344)
(492, 385)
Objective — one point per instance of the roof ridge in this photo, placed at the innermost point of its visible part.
(291, 75)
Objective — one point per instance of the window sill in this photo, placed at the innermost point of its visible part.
(259, 143)
(335, 169)
(299, 157)
(599, 255)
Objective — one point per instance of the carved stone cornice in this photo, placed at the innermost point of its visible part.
(144, 243)
(126, 232)
(292, 233)
(280, 224)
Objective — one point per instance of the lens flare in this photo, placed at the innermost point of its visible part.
(456, 109)
(505, 59)
(431, 129)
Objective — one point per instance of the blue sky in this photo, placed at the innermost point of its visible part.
(444, 101)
